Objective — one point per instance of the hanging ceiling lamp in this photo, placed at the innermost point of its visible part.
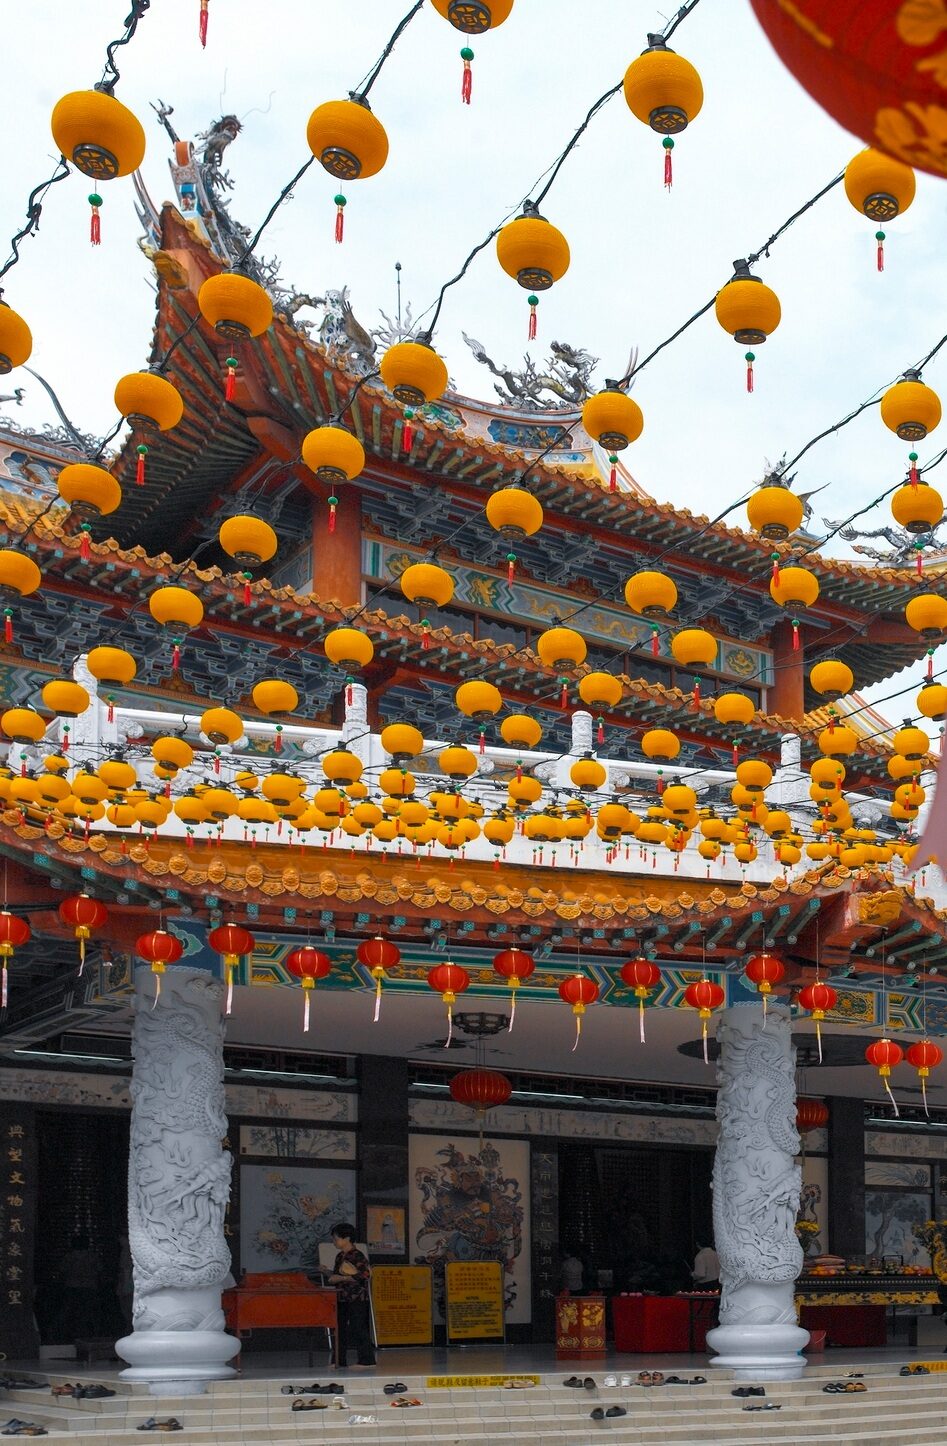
(448, 980)
(513, 965)
(534, 253)
(884, 1054)
(84, 915)
(307, 965)
(250, 542)
(514, 513)
(748, 310)
(924, 1055)
(579, 992)
(16, 339)
(797, 589)
(642, 976)
(178, 611)
(349, 142)
(774, 511)
(694, 648)
(480, 1089)
(613, 420)
(414, 374)
(101, 137)
(238, 309)
(663, 91)
(378, 955)
(159, 949)
(231, 942)
(19, 576)
(706, 996)
(334, 455)
(150, 404)
(881, 188)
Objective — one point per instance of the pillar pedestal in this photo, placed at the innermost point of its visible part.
(756, 1185)
(178, 1186)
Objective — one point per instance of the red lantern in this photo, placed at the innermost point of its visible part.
(232, 942)
(449, 980)
(817, 999)
(480, 1089)
(515, 967)
(160, 949)
(764, 970)
(811, 1115)
(308, 965)
(83, 915)
(642, 976)
(14, 931)
(378, 955)
(580, 992)
(705, 996)
(884, 1054)
(924, 1055)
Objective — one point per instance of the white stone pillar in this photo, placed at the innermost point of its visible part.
(756, 1185)
(178, 1185)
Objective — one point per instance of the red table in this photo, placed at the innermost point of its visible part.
(651, 1323)
(847, 1325)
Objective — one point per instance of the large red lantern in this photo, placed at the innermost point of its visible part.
(580, 992)
(377, 955)
(14, 931)
(83, 914)
(642, 976)
(480, 1089)
(876, 66)
(159, 948)
(308, 965)
(449, 980)
(705, 996)
(884, 1054)
(764, 970)
(817, 999)
(811, 1115)
(924, 1056)
(231, 942)
(515, 967)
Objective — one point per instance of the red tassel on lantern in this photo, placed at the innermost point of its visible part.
(734, 754)
(95, 223)
(466, 84)
(655, 646)
(407, 435)
(913, 475)
(776, 568)
(349, 685)
(278, 743)
(510, 566)
(613, 475)
(202, 23)
(668, 145)
(333, 504)
(695, 704)
(425, 634)
(600, 735)
(564, 693)
(142, 451)
(660, 783)
(795, 635)
(110, 715)
(247, 595)
(533, 303)
(175, 656)
(930, 665)
(750, 359)
(483, 742)
(230, 387)
(339, 219)
(85, 543)
(880, 238)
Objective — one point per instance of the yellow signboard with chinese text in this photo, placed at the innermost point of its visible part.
(403, 1305)
(474, 1299)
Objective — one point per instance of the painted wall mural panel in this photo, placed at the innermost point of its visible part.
(890, 1217)
(286, 1211)
(465, 1205)
(297, 1142)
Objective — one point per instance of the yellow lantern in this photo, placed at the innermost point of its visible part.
(427, 585)
(932, 701)
(534, 253)
(16, 340)
(98, 134)
(90, 492)
(149, 401)
(474, 17)
(927, 615)
(348, 648)
(172, 753)
(414, 374)
(342, 767)
(600, 690)
(272, 695)
(910, 408)
(236, 307)
(900, 768)
(694, 648)
(734, 709)
(333, 454)
(402, 741)
(457, 762)
(917, 507)
(827, 774)
(663, 91)
(652, 595)
(837, 740)
(832, 678)
(614, 421)
(775, 512)
(660, 745)
(881, 188)
(795, 588)
(587, 773)
(65, 697)
(248, 540)
(748, 310)
(112, 666)
(117, 775)
(221, 725)
(514, 513)
(911, 742)
(561, 648)
(499, 829)
(520, 731)
(478, 700)
(52, 788)
(679, 800)
(397, 783)
(179, 611)
(19, 576)
(347, 139)
(524, 791)
(754, 775)
(23, 725)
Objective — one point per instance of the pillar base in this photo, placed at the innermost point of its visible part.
(177, 1363)
(760, 1352)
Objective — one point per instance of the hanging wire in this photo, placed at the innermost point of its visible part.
(34, 210)
(111, 75)
(365, 85)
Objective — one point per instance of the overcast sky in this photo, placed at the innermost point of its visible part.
(642, 260)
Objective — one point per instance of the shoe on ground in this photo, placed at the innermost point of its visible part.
(625, 1379)
(616, 1411)
(574, 1380)
(589, 1384)
(597, 1413)
(363, 1421)
(610, 1381)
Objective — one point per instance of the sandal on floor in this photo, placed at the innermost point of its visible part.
(860, 1386)
(697, 1381)
(616, 1411)
(25, 1428)
(398, 1388)
(516, 1384)
(598, 1413)
(171, 1424)
(314, 1405)
(572, 1381)
(675, 1381)
(657, 1378)
(643, 1378)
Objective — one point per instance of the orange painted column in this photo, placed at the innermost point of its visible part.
(787, 694)
(337, 556)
